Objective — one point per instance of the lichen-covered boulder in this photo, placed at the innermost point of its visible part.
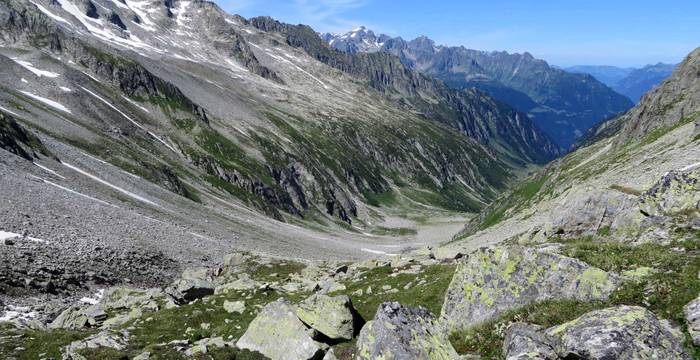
(622, 332)
(490, 281)
(187, 290)
(105, 339)
(122, 298)
(585, 212)
(526, 341)
(677, 193)
(333, 317)
(692, 317)
(122, 305)
(399, 332)
(278, 334)
(71, 318)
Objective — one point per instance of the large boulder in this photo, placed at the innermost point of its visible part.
(490, 281)
(692, 317)
(399, 332)
(677, 193)
(103, 339)
(526, 341)
(77, 317)
(622, 332)
(586, 212)
(184, 291)
(278, 334)
(333, 317)
(123, 298)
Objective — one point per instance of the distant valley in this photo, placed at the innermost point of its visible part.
(562, 104)
(631, 82)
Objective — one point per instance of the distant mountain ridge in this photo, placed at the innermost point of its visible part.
(564, 105)
(631, 82)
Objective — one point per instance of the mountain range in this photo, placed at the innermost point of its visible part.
(181, 183)
(563, 104)
(631, 82)
(170, 112)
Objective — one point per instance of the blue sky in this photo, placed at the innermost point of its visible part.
(564, 32)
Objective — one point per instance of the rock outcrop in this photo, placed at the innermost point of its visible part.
(278, 334)
(17, 140)
(399, 332)
(103, 339)
(333, 317)
(623, 332)
(676, 194)
(490, 281)
(692, 318)
(195, 283)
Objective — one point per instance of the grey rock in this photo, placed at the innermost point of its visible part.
(676, 193)
(278, 334)
(333, 317)
(143, 356)
(109, 339)
(692, 317)
(525, 341)
(234, 306)
(187, 290)
(490, 281)
(399, 332)
(235, 259)
(622, 332)
(70, 318)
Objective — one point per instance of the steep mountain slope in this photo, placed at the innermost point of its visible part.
(473, 113)
(564, 105)
(632, 182)
(144, 135)
(630, 82)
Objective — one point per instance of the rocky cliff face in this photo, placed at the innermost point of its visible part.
(472, 112)
(564, 105)
(202, 131)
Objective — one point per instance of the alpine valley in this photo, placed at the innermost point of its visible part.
(178, 182)
(562, 104)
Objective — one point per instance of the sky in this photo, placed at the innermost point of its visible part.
(563, 32)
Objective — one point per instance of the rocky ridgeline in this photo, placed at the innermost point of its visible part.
(290, 311)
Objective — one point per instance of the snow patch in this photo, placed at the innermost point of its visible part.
(93, 299)
(49, 170)
(119, 4)
(50, 14)
(73, 191)
(99, 30)
(66, 89)
(690, 167)
(135, 104)
(8, 111)
(21, 313)
(24, 80)
(27, 65)
(4, 235)
(115, 187)
(378, 252)
(46, 101)
(131, 120)
(141, 8)
(201, 236)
